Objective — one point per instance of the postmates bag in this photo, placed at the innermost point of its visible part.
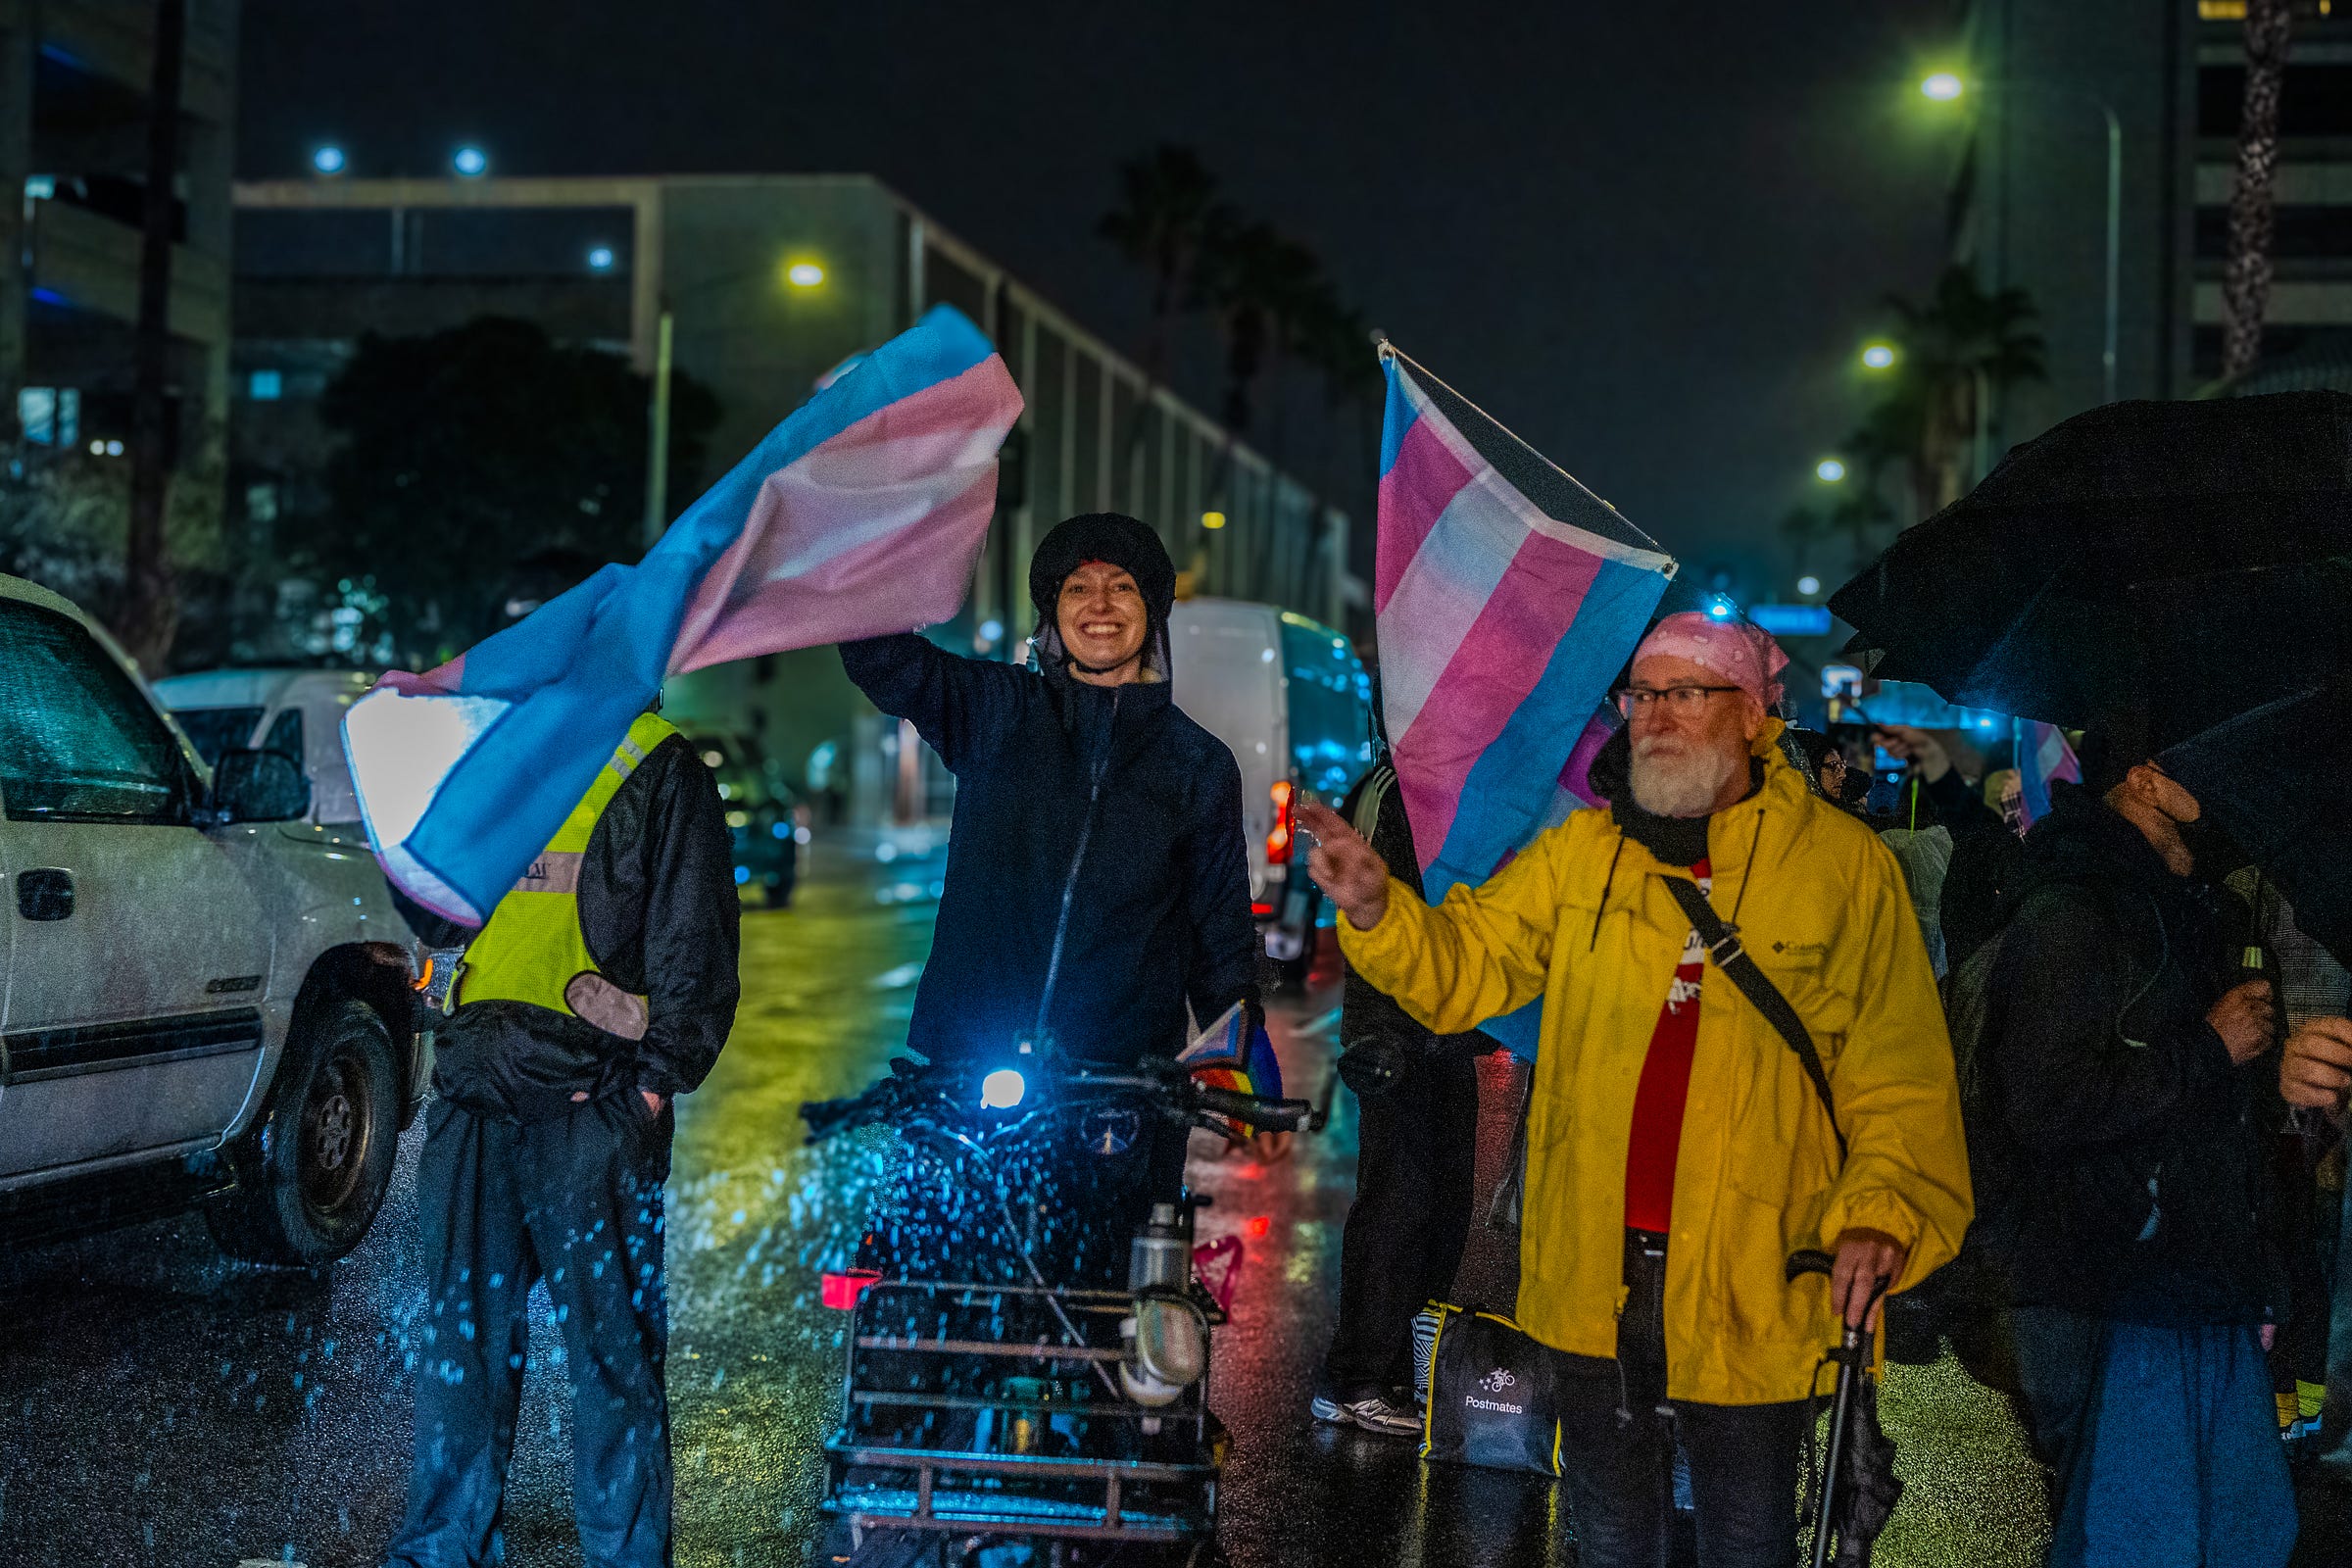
(1490, 1396)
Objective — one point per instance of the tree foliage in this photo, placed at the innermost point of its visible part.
(1169, 213)
(1957, 350)
(1274, 306)
(471, 457)
(64, 520)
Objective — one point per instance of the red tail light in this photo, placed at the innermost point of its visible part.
(1278, 842)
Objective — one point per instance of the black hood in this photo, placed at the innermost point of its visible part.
(2084, 838)
(1124, 542)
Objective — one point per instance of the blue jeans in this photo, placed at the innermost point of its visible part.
(2164, 1442)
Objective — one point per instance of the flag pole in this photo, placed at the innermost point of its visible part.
(1390, 350)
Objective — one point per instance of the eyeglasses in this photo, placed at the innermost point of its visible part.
(1683, 701)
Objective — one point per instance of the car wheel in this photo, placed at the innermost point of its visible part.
(312, 1176)
(778, 894)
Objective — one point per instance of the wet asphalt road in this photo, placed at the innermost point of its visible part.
(160, 1406)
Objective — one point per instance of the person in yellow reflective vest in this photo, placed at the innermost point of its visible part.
(601, 989)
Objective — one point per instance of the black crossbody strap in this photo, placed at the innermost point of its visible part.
(1723, 946)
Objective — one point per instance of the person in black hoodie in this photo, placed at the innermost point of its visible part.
(1098, 880)
(2119, 1122)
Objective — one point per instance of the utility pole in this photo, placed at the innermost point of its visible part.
(656, 456)
(2246, 286)
(151, 610)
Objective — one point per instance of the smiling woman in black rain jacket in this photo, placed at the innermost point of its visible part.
(1097, 841)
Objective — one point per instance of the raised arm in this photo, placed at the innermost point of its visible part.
(962, 706)
(1481, 954)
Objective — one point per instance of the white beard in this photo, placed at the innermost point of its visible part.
(1685, 785)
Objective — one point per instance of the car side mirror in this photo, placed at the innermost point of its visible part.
(250, 786)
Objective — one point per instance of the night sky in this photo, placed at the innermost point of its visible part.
(1649, 236)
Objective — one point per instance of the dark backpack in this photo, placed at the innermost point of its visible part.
(1996, 1159)
(1973, 1280)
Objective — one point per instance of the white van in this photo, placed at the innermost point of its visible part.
(1292, 700)
(294, 712)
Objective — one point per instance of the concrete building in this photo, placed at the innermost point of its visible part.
(2030, 196)
(73, 114)
(764, 282)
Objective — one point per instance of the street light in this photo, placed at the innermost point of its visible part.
(1829, 470)
(1945, 87)
(600, 259)
(470, 162)
(1808, 586)
(800, 274)
(327, 160)
(1878, 356)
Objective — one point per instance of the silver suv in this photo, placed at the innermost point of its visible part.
(204, 996)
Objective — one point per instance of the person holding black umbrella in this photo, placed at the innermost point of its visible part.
(2116, 1130)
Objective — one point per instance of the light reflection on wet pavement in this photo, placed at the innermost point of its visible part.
(159, 1407)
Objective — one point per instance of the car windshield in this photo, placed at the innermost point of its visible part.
(215, 729)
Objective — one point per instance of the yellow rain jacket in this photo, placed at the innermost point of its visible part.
(1823, 910)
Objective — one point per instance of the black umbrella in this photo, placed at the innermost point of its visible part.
(2279, 781)
(2017, 597)
(2213, 648)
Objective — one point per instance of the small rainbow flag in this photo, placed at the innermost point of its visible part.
(1231, 1054)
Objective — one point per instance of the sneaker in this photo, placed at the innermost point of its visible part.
(1374, 1412)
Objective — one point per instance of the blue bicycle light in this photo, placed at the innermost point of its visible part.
(1002, 1090)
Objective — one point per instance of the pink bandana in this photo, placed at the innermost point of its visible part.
(1742, 653)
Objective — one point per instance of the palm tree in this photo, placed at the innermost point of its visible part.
(1336, 345)
(1803, 528)
(2246, 286)
(1862, 515)
(1961, 349)
(1270, 295)
(1168, 217)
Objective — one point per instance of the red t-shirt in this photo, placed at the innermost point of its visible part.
(1657, 1130)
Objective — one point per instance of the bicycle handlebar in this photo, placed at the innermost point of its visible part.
(1266, 1115)
(1173, 1092)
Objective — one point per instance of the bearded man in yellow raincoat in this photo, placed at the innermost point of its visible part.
(1678, 1151)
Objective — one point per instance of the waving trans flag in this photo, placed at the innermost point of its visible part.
(862, 513)
(1500, 628)
(2044, 759)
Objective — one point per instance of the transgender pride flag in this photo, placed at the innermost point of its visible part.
(1500, 628)
(862, 513)
(2042, 759)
